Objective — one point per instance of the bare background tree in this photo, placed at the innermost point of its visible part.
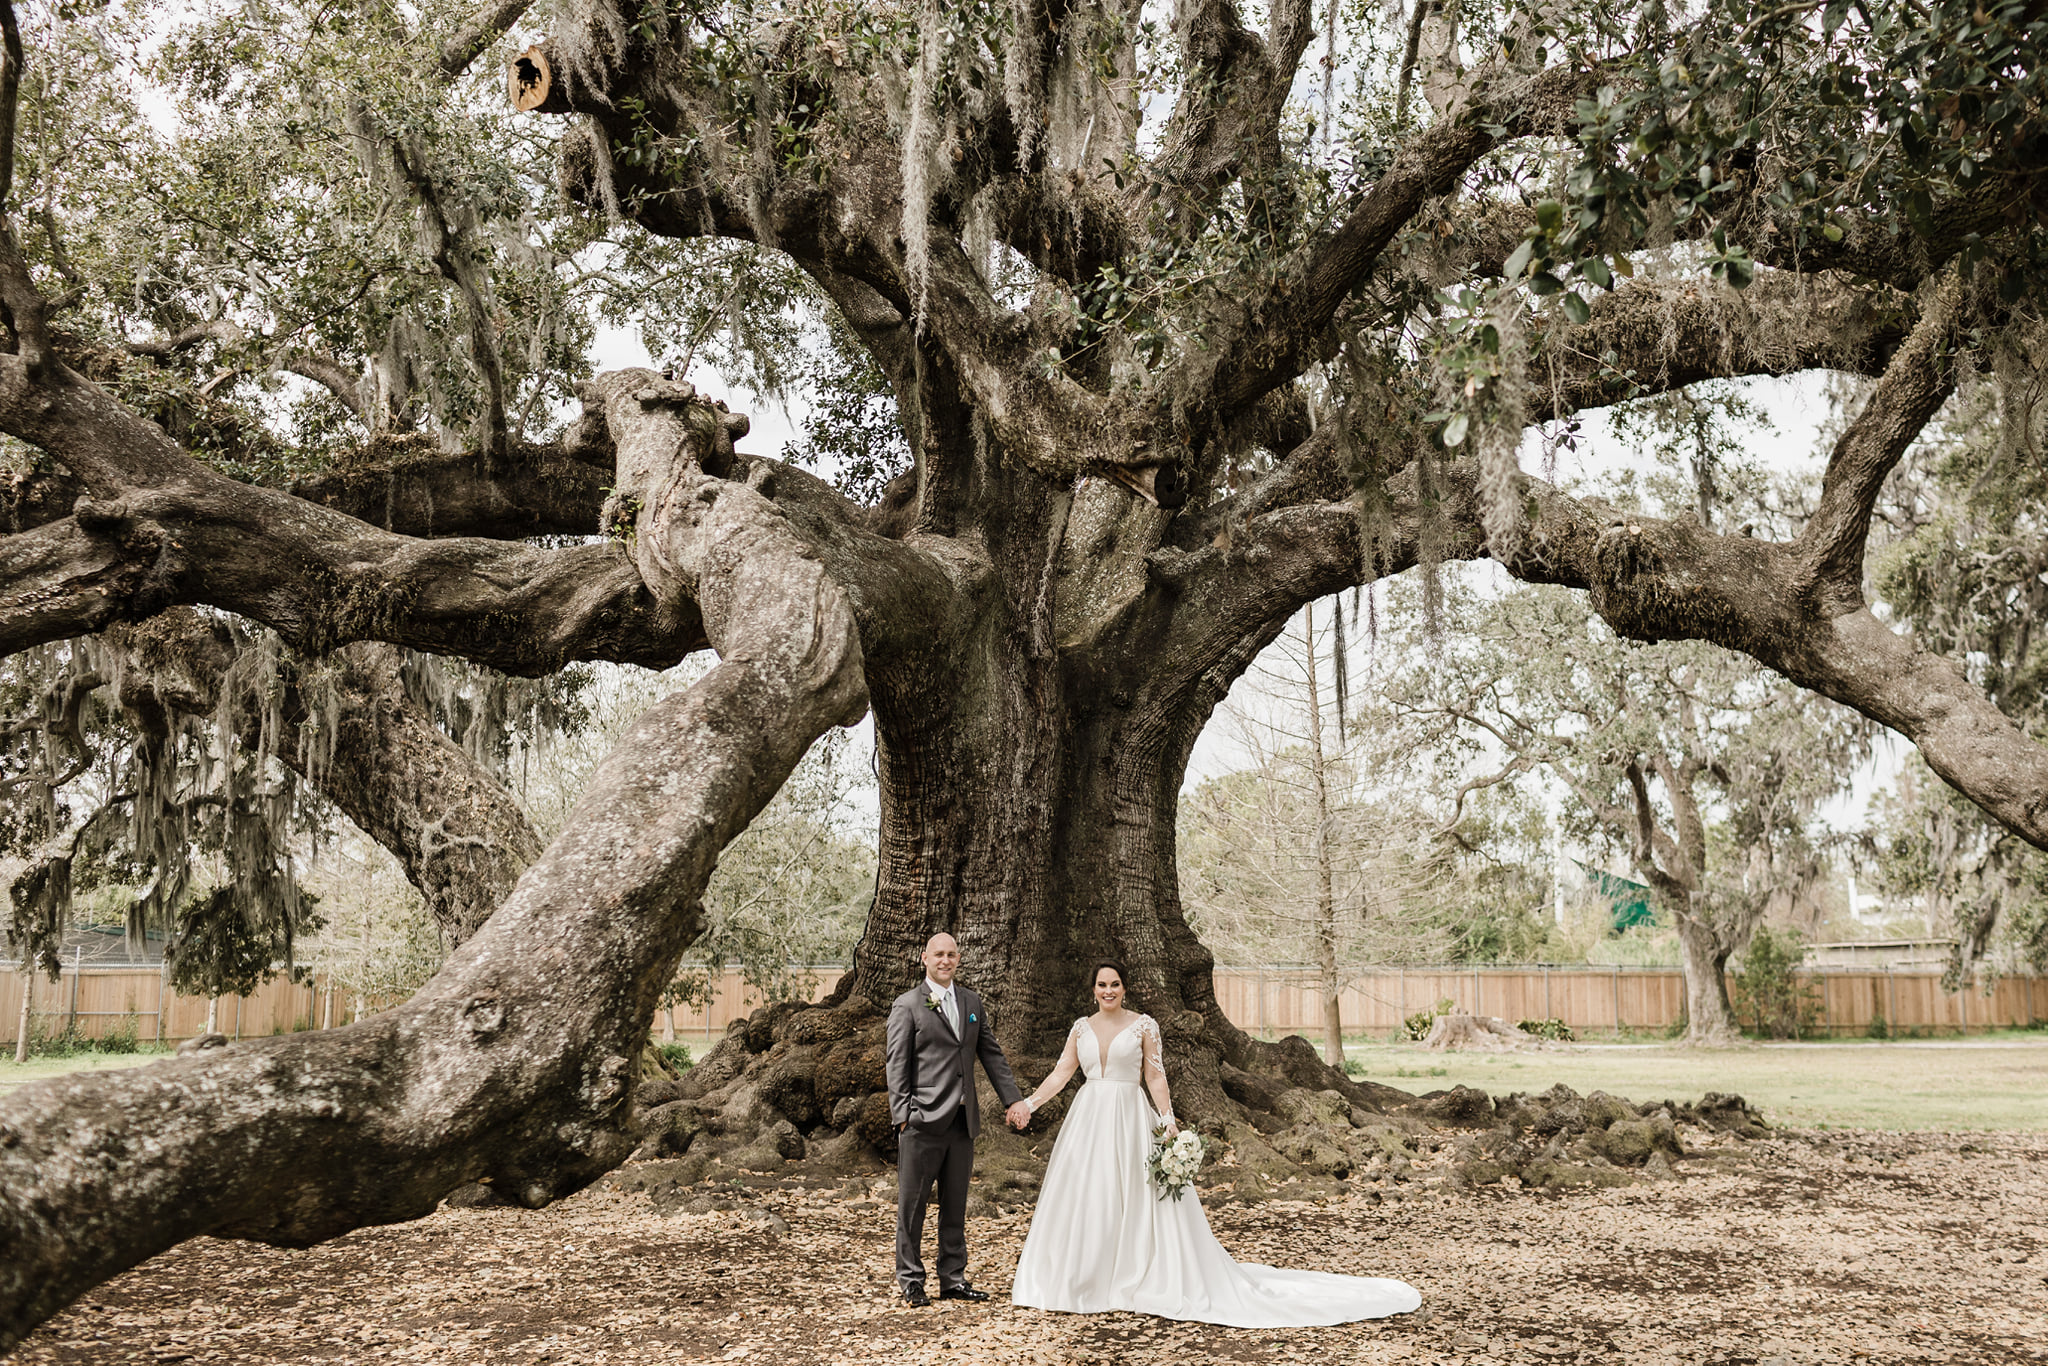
(1321, 848)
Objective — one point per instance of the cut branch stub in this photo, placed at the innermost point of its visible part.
(1162, 485)
(529, 80)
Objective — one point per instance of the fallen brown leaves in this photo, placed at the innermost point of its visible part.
(1803, 1249)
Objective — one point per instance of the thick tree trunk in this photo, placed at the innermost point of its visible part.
(969, 750)
(1028, 806)
(1000, 824)
(1710, 1018)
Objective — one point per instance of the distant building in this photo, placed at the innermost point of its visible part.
(1628, 899)
(1919, 954)
(99, 944)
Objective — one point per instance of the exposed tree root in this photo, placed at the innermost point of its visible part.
(798, 1089)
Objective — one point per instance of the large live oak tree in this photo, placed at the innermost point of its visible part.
(1163, 380)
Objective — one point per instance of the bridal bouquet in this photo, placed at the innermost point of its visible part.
(1174, 1161)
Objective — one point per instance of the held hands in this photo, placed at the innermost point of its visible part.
(1018, 1115)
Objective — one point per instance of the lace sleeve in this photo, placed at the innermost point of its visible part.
(1075, 1032)
(1149, 1043)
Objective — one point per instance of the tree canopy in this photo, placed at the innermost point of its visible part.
(1132, 332)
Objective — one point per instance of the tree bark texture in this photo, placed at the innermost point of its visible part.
(1709, 1015)
(512, 1065)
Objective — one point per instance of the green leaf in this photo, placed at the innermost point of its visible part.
(1519, 261)
(1831, 232)
(1577, 309)
(1543, 282)
(1454, 430)
(1596, 270)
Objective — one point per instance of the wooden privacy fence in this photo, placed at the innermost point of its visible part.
(98, 1000)
(1286, 1000)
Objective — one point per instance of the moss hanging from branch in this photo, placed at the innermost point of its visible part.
(1498, 438)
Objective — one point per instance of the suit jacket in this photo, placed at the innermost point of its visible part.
(931, 1069)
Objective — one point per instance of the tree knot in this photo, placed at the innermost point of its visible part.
(666, 393)
(101, 519)
(484, 1016)
(609, 1086)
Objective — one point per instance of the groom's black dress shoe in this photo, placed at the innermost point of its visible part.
(915, 1297)
(961, 1292)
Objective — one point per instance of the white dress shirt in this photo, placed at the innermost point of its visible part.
(947, 1006)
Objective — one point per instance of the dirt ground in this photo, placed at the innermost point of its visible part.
(1809, 1247)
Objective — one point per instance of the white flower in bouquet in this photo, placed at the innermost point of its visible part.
(1175, 1161)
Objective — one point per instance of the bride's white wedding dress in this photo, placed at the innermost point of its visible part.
(1102, 1238)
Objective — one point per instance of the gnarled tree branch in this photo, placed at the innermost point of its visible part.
(513, 1064)
(1272, 336)
(1915, 385)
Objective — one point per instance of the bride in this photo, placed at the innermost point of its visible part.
(1102, 1237)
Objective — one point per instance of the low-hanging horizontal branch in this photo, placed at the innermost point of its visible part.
(512, 1065)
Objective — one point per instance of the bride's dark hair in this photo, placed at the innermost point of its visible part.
(1113, 966)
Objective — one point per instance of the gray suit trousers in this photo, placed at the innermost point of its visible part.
(923, 1157)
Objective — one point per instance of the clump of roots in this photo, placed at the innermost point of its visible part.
(799, 1092)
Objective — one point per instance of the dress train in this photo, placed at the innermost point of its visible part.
(1103, 1239)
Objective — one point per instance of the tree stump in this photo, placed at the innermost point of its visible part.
(1489, 1032)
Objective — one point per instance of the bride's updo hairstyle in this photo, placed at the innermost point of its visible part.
(1113, 966)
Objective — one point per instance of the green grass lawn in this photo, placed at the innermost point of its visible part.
(1999, 1082)
(1993, 1083)
(13, 1074)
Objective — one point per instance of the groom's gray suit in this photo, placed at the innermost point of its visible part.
(931, 1100)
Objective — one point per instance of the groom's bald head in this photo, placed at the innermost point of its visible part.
(941, 958)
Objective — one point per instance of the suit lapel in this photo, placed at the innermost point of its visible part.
(939, 1016)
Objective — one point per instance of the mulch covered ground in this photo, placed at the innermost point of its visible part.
(1807, 1247)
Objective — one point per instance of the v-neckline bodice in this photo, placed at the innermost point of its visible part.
(1102, 1045)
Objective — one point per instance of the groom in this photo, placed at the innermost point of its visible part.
(936, 1030)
